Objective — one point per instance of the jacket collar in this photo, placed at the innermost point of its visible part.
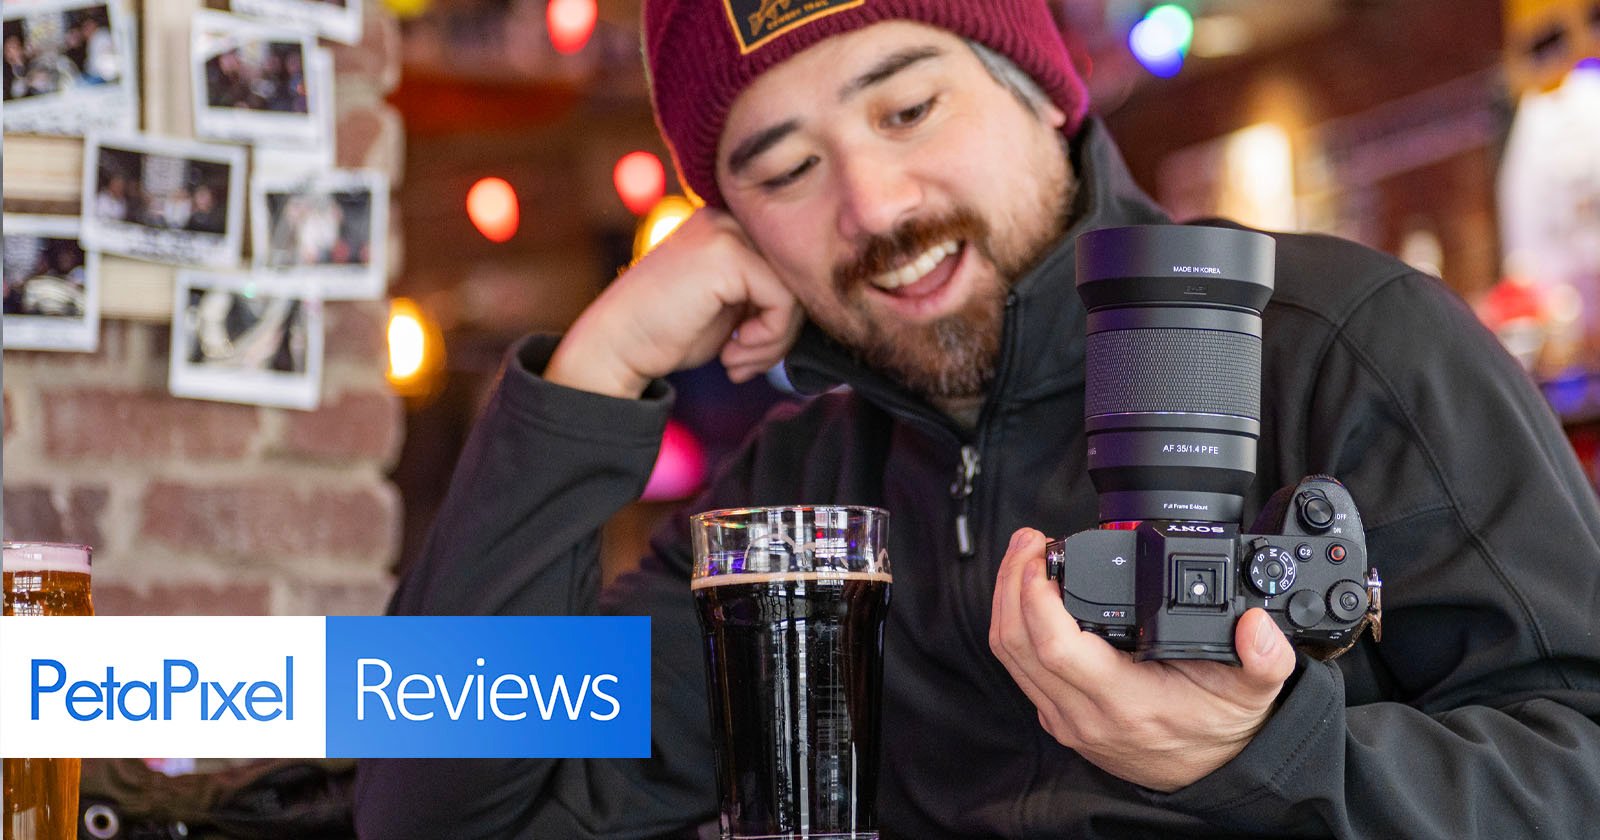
(1042, 348)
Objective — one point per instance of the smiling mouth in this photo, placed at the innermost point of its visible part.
(909, 279)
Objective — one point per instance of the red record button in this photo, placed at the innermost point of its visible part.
(1336, 553)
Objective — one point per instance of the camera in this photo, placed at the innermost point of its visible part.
(1170, 589)
(1172, 417)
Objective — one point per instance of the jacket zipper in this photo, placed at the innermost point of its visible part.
(966, 473)
(972, 453)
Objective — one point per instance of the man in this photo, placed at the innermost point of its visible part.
(203, 214)
(100, 53)
(111, 202)
(16, 71)
(893, 190)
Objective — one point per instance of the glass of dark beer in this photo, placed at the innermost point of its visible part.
(792, 602)
(41, 794)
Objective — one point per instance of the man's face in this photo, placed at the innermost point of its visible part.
(897, 190)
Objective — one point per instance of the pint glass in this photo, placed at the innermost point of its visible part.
(792, 604)
(41, 794)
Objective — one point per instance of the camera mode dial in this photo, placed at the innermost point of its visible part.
(1272, 571)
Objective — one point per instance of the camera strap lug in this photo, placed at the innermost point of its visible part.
(1375, 603)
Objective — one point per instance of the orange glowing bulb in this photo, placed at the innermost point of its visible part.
(641, 181)
(571, 22)
(492, 207)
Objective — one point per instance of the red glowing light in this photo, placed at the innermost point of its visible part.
(680, 467)
(641, 181)
(571, 23)
(492, 207)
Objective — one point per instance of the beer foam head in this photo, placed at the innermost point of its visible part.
(816, 576)
(45, 557)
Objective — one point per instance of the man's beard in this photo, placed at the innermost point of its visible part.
(955, 357)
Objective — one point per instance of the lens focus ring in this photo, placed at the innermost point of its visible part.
(1173, 370)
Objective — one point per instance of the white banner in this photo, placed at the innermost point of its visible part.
(158, 686)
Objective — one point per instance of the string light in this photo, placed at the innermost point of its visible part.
(416, 350)
(1161, 40)
(680, 466)
(571, 22)
(641, 180)
(492, 207)
(660, 222)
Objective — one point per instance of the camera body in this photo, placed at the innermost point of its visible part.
(1174, 589)
(1172, 417)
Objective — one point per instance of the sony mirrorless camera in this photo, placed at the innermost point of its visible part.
(1172, 416)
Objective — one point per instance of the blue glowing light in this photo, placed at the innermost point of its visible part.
(1161, 40)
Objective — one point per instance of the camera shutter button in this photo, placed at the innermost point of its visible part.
(1316, 512)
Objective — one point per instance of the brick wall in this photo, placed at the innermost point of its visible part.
(211, 508)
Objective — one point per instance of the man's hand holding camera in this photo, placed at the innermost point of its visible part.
(704, 291)
(1160, 724)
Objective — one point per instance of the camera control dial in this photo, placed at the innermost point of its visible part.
(1271, 571)
(1305, 609)
(1347, 600)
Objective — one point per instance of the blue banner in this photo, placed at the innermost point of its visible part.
(488, 687)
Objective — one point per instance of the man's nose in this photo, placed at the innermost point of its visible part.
(877, 195)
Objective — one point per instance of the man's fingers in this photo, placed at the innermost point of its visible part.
(768, 324)
(746, 360)
(1003, 626)
(1264, 652)
(1008, 633)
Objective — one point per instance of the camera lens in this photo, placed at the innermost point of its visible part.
(1173, 379)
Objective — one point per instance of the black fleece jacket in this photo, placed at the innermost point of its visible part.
(1475, 717)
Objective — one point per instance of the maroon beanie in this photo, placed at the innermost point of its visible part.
(701, 54)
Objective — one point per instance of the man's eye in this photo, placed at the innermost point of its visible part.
(910, 116)
(791, 176)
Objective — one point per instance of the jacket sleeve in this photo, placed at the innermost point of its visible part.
(1476, 716)
(542, 471)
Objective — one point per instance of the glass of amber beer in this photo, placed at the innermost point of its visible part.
(41, 794)
(792, 602)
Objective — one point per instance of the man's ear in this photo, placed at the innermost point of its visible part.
(1056, 117)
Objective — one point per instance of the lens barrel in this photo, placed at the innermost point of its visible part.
(1173, 378)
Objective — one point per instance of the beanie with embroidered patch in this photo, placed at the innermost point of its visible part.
(701, 54)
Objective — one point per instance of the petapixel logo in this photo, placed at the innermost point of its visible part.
(157, 699)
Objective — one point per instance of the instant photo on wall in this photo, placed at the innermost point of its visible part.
(330, 228)
(161, 199)
(246, 338)
(70, 67)
(339, 20)
(52, 285)
(268, 156)
(256, 82)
